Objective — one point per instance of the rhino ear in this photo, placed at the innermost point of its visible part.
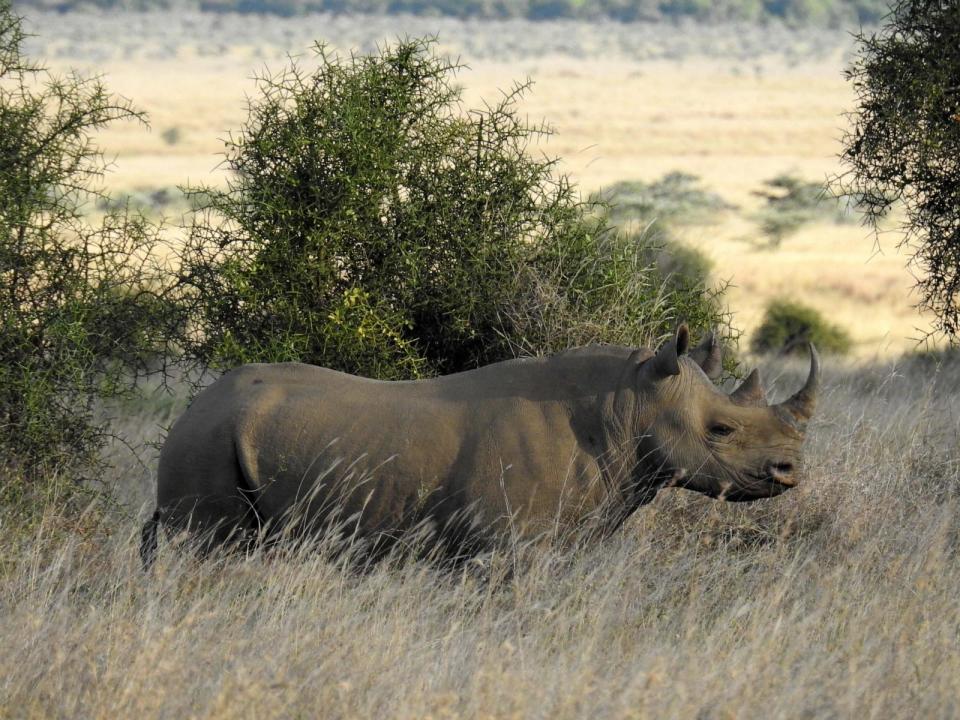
(639, 356)
(709, 356)
(667, 360)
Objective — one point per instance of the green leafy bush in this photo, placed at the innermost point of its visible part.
(677, 198)
(607, 287)
(681, 264)
(80, 311)
(375, 225)
(787, 325)
(370, 223)
(649, 211)
(792, 202)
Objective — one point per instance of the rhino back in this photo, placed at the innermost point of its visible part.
(518, 438)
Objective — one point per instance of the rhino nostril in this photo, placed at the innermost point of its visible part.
(782, 467)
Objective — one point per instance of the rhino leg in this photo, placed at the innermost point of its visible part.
(208, 499)
(213, 522)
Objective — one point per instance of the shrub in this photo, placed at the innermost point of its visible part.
(80, 307)
(680, 265)
(374, 225)
(676, 198)
(607, 288)
(787, 325)
(647, 211)
(792, 203)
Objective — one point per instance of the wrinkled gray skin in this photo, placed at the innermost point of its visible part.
(522, 447)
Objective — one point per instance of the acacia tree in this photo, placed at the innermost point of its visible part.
(79, 299)
(904, 145)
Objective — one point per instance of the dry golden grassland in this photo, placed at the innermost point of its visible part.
(835, 600)
(735, 105)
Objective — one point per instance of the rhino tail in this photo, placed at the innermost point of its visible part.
(148, 540)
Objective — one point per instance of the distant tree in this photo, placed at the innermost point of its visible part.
(791, 202)
(79, 309)
(904, 145)
(677, 198)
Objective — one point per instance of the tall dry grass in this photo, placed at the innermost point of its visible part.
(839, 599)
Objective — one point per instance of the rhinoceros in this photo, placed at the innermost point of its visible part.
(521, 447)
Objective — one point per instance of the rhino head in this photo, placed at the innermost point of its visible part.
(735, 447)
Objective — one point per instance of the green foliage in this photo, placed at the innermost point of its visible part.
(78, 309)
(905, 141)
(681, 265)
(792, 202)
(677, 198)
(370, 225)
(650, 210)
(374, 225)
(787, 325)
(607, 287)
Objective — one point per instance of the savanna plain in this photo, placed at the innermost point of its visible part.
(837, 599)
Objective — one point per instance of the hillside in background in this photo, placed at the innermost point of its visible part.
(820, 12)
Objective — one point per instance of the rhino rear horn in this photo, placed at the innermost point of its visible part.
(709, 356)
(751, 391)
(667, 360)
(804, 402)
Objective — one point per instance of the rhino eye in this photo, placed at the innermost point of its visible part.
(720, 430)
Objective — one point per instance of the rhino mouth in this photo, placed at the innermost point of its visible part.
(767, 484)
(781, 474)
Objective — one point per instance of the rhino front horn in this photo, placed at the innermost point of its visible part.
(803, 403)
